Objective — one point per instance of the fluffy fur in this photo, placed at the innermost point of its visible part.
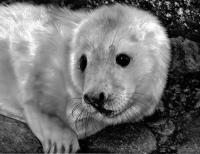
(135, 90)
(40, 78)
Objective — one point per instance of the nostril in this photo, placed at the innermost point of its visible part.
(86, 98)
(94, 100)
(101, 97)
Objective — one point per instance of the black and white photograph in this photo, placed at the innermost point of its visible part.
(100, 76)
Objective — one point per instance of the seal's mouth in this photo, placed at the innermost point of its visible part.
(113, 113)
(109, 113)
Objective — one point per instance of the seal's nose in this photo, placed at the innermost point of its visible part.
(96, 100)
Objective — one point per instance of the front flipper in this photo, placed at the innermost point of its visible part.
(54, 134)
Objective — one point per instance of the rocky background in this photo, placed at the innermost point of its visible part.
(175, 126)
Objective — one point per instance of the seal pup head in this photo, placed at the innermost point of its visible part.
(119, 63)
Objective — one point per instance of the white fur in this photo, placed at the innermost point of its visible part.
(39, 76)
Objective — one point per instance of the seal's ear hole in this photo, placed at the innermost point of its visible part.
(123, 60)
(83, 63)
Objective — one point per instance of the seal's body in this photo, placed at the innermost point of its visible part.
(70, 74)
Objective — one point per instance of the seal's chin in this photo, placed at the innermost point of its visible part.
(105, 112)
(113, 112)
(110, 116)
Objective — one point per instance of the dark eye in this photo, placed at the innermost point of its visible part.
(83, 63)
(123, 60)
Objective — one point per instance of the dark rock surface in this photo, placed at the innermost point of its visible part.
(127, 138)
(181, 97)
(16, 137)
(185, 56)
(192, 138)
(135, 138)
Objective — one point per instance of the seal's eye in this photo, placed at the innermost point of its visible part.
(123, 60)
(83, 62)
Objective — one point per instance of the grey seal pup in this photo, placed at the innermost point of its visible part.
(68, 74)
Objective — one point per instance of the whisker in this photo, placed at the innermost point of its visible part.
(75, 101)
(114, 38)
(77, 98)
(78, 119)
(93, 124)
(86, 122)
(90, 43)
(76, 107)
(139, 94)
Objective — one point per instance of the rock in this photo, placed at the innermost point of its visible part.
(192, 55)
(192, 135)
(190, 148)
(163, 127)
(126, 138)
(15, 137)
(185, 56)
(198, 99)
